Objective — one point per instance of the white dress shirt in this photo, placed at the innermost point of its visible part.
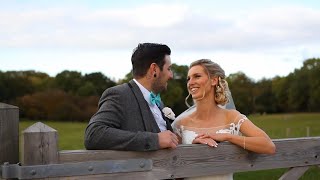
(154, 108)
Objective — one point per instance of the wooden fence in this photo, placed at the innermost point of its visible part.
(9, 133)
(42, 159)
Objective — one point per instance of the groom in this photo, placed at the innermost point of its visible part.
(129, 115)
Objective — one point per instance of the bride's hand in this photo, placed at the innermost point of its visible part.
(217, 137)
(208, 141)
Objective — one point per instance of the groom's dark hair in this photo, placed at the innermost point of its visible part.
(146, 54)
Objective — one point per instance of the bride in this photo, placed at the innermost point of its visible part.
(208, 122)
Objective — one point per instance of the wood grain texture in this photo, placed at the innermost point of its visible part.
(199, 160)
(294, 173)
(40, 145)
(9, 133)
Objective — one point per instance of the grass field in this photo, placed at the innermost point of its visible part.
(70, 134)
(277, 126)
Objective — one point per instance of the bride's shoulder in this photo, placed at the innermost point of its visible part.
(232, 115)
(231, 112)
(184, 121)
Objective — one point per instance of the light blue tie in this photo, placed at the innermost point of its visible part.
(155, 99)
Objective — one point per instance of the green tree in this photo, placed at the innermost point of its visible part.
(69, 81)
(14, 84)
(177, 89)
(98, 82)
(280, 86)
(264, 100)
(241, 87)
(127, 78)
(57, 105)
(298, 93)
(312, 66)
(87, 89)
(41, 81)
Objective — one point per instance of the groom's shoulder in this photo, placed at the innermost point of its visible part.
(118, 89)
(121, 87)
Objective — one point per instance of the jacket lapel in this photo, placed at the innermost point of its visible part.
(168, 121)
(146, 114)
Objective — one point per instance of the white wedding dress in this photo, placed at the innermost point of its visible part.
(189, 133)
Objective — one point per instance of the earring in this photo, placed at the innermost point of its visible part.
(218, 89)
(186, 101)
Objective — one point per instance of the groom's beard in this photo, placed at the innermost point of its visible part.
(159, 86)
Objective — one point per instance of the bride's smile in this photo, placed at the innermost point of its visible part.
(193, 90)
(197, 82)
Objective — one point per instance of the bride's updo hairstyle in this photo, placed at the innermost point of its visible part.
(214, 70)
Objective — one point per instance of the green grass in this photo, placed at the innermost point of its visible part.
(70, 134)
(276, 126)
(261, 175)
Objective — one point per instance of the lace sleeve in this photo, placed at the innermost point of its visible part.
(176, 128)
(241, 118)
(238, 122)
(176, 123)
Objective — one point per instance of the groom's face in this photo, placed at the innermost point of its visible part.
(161, 81)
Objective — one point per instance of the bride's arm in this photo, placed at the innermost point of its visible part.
(255, 139)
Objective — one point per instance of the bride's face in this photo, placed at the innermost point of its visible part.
(198, 82)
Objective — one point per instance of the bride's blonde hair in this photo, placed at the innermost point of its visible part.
(221, 90)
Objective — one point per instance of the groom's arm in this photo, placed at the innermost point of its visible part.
(104, 129)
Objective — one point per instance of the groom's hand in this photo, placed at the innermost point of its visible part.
(167, 139)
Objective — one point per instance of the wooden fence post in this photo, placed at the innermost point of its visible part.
(287, 132)
(9, 133)
(40, 145)
(308, 131)
(294, 173)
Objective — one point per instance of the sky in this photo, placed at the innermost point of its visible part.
(262, 39)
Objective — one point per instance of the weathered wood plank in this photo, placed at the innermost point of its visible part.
(9, 133)
(154, 174)
(40, 145)
(294, 173)
(196, 160)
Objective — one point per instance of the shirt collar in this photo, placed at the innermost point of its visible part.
(145, 92)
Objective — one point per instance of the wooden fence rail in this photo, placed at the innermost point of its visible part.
(185, 161)
(40, 151)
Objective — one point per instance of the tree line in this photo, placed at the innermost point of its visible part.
(71, 96)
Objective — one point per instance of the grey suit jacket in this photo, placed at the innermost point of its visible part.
(124, 121)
